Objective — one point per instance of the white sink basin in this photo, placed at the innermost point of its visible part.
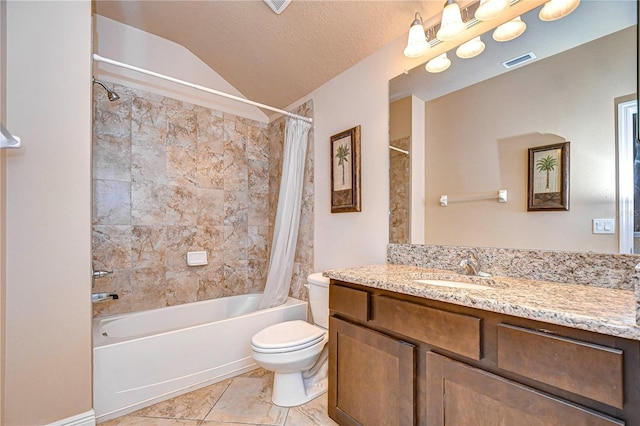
(454, 284)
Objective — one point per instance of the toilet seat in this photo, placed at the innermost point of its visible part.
(287, 337)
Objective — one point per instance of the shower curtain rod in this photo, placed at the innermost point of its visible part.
(404, 151)
(99, 58)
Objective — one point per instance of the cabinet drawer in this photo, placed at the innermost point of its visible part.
(350, 302)
(447, 330)
(586, 369)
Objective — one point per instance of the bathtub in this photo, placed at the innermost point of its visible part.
(146, 357)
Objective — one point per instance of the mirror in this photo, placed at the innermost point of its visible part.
(480, 119)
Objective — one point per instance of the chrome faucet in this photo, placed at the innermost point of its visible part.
(471, 266)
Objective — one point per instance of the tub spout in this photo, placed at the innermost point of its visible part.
(103, 297)
(100, 274)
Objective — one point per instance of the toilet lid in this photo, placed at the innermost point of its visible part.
(290, 335)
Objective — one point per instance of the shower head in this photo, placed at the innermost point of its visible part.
(111, 95)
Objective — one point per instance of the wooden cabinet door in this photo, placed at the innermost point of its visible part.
(371, 377)
(458, 394)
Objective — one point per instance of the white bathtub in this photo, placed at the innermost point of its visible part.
(146, 357)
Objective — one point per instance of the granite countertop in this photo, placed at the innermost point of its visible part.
(601, 310)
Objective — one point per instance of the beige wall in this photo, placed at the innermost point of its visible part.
(400, 118)
(359, 96)
(48, 222)
(477, 140)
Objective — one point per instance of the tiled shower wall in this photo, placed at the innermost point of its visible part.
(171, 177)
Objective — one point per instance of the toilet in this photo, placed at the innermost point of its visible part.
(297, 351)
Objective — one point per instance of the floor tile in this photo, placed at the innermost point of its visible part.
(260, 372)
(313, 413)
(148, 421)
(248, 400)
(240, 401)
(210, 423)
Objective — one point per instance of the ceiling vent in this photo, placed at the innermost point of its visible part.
(277, 5)
(519, 60)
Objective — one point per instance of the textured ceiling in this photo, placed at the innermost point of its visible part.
(274, 59)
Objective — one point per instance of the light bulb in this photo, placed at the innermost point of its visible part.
(472, 48)
(438, 64)
(490, 9)
(556, 9)
(451, 25)
(417, 44)
(510, 30)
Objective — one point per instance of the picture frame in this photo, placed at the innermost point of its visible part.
(345, 171)
(549, 178)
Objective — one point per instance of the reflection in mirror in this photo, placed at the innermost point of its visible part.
(480, 120)
(400, 172)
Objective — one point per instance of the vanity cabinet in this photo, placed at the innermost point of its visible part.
(374, 376)
(458, 394)
(396, 359)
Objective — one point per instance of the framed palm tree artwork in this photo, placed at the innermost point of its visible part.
(345, 171)
(549, 177)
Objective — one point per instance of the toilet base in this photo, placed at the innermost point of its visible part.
(290, 389)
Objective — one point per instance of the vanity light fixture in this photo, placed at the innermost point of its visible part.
(470, 49)
(510, 30)
(454, 22)
(438, 64)
(556, 9)
(451, 25)
(417, 44)
(490, 9)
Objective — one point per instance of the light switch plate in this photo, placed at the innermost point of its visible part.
(604, 226)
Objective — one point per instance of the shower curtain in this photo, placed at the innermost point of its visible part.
(285, 233)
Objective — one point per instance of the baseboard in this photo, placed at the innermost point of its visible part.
(84, 419)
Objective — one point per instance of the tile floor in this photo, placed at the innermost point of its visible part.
(242, 400)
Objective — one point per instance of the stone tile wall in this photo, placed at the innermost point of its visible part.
(170, 177)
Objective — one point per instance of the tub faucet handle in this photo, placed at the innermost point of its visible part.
(100, 274)
(103, 297)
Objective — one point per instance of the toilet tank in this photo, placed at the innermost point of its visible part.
(319, 299)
